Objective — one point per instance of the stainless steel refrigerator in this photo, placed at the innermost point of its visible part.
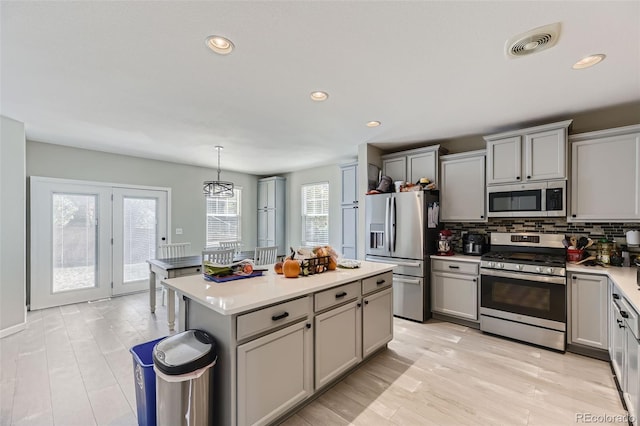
(402, 228)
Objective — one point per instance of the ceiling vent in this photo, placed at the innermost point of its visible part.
(533, 41)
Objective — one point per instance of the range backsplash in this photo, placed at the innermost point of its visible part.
(611, 231)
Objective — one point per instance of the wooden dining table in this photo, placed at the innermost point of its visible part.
(177, 267)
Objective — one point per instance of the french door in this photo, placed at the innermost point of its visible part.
(90, 241)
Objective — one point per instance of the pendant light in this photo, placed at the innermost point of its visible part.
(218, 188)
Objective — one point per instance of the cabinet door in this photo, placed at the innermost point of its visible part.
(267, 194)
(632, 391)
(618, 344)
(605, 178)
(266, 228)
(395, 168)
(504, 159)
(275, 372)
(462, 194)
(589, 310)
(338, 342)
(545, 155)
(349, 185)
(348, 245)
(377, 321)
(455, 295)
(422, 165)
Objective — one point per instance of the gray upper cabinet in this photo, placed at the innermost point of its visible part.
(271, 213)
(411, 165)
(462, 189)
(349, 207)
(605, 175)
(528, 155)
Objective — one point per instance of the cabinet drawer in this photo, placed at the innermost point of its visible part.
(186, 271)
(337, 295)
(632, 318)
(453, 266)
(377, 283)
(272, 317)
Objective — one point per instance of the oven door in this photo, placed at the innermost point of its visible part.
(532, 299)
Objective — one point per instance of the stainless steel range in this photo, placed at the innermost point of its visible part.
(523, 288)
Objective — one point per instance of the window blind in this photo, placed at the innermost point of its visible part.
(315, 214)
(224, 218)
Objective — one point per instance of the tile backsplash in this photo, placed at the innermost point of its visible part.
(611, 231)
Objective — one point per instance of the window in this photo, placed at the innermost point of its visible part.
(223, 218)
(315, 214)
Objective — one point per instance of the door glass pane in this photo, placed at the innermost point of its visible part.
(74, 242)
(139, 237)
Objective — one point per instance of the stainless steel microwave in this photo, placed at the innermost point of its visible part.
(539, 199)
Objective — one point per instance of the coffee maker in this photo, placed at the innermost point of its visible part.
(474, 244)
(445, 246)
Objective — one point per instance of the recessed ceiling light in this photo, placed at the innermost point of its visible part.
(589, 61)
(319, 96)
(219, 44)
(373, 123)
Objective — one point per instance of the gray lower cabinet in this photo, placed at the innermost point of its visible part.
(589, 310)
(275, 372)
(338, 336)
(377, 320)
(454, 289)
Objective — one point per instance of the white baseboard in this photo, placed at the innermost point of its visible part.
(13, 329)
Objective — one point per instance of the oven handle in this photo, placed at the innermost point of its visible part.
(550, 279)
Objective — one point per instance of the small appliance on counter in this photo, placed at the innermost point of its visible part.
(445, 246)
(474, 244)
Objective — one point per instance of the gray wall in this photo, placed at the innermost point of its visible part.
(295, 180)
(12, 226)
(187, 202)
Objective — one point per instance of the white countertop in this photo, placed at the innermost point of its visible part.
(624, 277)
(458, 257)
(234, 297)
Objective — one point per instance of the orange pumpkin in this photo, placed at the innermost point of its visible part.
(291, 268)
(332, 264)
(278, 268)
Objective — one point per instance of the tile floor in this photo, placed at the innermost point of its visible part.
(72, 366)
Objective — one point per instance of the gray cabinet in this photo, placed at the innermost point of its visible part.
(275, 372)
(377, 312)
(462, 189)
(411, 165)
(589, 310)
(605, 175)
(271, 213)
(454, 289)
(338, 338)
(532, 154)
(349, 211)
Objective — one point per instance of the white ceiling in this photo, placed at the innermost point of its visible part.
(135, 77)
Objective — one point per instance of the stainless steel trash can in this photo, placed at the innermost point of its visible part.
(183, 365)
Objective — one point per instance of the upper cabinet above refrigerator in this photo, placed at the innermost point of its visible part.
(411, 165)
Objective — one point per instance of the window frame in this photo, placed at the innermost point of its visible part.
(215, 242)
(304, 215)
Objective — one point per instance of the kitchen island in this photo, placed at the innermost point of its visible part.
(281, 340)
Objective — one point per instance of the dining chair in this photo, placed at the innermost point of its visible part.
(219, 256)
(265, 255)
(166, 251)
(230, 244)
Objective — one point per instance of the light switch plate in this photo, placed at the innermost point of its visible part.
(178, 231)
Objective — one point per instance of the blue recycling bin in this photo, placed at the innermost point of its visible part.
(145, 382)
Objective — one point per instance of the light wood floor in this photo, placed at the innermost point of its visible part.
(72, 366)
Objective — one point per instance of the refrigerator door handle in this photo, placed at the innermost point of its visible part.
(410, 264)
(406, 280)
(393, 223)
(387, 227)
